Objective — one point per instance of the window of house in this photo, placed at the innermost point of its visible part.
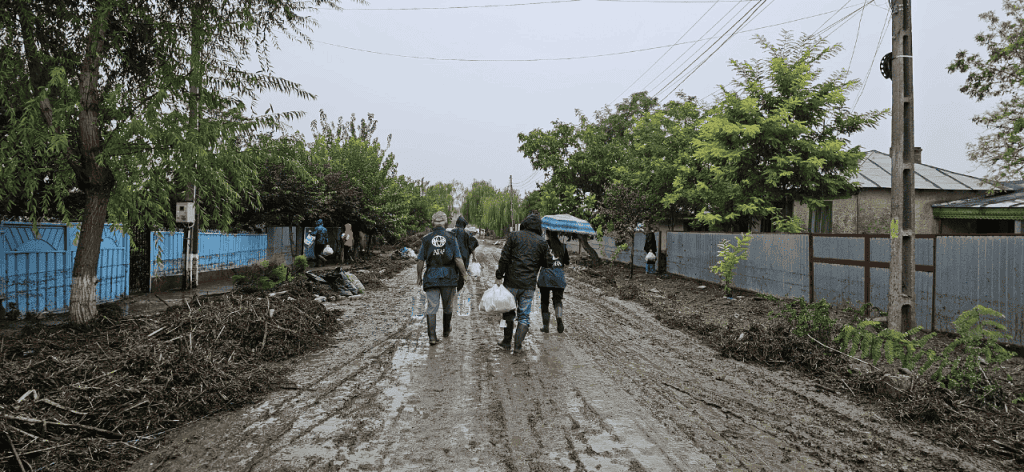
(821, 219)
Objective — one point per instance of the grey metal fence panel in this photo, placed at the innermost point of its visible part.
(835, 283)
(639, 256)
(980, 270)
(776, 265)
(838, 284)
(692, 254)
(835, 247)
(280, 241)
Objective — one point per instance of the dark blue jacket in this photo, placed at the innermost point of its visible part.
(555, 276)
(525, 252)
(439, 249)
(467, 243)
(321, 232)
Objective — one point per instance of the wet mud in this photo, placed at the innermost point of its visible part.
(618, 391)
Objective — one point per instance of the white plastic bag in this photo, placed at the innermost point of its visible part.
(497, 298)
(473, 269)
(327, 251)
(651, 257)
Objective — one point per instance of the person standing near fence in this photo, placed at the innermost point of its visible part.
(320, 233)
(524, 254)
(551, 281)
(440, 253)
(349, 242)
(651, 246)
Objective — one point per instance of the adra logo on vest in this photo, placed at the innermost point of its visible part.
(438, 241)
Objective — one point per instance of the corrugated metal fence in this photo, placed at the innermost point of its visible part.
(35, 266)
(217, 251)
(954, 273)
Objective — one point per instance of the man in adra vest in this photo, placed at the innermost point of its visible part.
(439, 251)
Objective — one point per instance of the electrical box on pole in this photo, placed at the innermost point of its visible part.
(901, 226)
(185, 213)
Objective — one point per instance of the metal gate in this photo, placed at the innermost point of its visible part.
(35, 265)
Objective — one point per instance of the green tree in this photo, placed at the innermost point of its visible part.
(778, 138)
(661, 140)
(998, 75)
(579, 159)
(490, 208)
(128, 102)
(623, 209)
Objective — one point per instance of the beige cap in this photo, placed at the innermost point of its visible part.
(439, 218)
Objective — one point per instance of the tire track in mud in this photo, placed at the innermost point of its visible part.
(751, 417)
(617, 391)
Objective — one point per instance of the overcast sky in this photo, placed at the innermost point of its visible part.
(458, 119)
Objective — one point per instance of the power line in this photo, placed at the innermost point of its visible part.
(818, 29)
(748, 17)
(856, 38)
(666, 52)
(620, 53)
(871, 67)
(454, 8)
(690, 60)
(656, 78)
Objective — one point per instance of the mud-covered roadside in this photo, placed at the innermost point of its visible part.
(617, 391)
(760, 330)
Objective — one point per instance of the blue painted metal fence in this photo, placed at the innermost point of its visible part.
(35, 266)
(217, 251)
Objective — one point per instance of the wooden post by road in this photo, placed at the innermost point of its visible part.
(901, 229)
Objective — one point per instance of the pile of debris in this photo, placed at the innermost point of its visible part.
(95, 396)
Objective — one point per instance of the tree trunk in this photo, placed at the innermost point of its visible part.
(93, 178)
(632, 248)
(585, 244)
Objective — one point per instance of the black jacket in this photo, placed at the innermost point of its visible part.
(651, 245)
(467, 243)
(524, 254)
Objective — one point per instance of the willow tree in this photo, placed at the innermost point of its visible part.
(128, 102)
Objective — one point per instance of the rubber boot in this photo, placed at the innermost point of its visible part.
(546, 317)
(521, 330)
(447, 325)
(558, 318)
(432, 328)
(506, 343)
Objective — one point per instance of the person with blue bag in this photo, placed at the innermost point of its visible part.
(440, 254)
(522, 256)
(551, 281)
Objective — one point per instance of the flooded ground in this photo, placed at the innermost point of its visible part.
(618, 391)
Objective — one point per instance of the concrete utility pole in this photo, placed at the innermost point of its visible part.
(901, 229)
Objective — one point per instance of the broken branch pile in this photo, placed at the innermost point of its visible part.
(91, 397)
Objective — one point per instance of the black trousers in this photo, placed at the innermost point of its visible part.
(545, 292)
(317, 249)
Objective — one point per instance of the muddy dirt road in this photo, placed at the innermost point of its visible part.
(616, 391)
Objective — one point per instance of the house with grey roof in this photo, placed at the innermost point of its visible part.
(867, 211)
(992, 214)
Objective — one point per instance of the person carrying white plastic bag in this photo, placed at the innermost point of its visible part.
(522, 256)
(497, 298)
